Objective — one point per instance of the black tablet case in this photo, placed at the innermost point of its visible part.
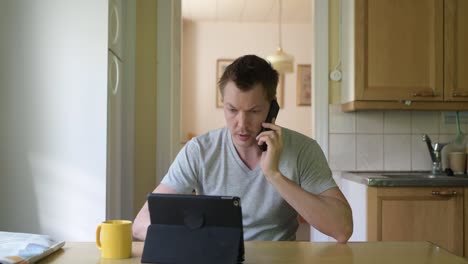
(194, 229)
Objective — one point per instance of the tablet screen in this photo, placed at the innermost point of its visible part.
(174, 209)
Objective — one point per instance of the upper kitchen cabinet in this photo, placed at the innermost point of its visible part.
(405, 55)
(455, 50)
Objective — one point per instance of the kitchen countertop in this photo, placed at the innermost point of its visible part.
(404, 178)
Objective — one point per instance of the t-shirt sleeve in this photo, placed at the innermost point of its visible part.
(183, 173)
(314, 173)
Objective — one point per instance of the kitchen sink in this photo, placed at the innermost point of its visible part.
(405, 178)
(412, 174)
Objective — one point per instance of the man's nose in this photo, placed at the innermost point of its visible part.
(242, 119)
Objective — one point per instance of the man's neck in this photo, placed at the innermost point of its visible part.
(250, 156)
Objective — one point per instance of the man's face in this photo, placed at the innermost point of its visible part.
(244, 112)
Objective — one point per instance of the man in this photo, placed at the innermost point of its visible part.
(290, 177)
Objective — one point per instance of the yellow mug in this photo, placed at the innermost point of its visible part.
(114, 239)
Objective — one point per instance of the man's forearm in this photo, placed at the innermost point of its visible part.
(139, 233)
(142, 220)
(140, 224)
(327, 213)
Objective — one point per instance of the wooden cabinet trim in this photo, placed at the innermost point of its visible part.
(396, 105)
(465, 223)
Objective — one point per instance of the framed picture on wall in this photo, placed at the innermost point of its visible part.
(304, 84)
(221, 65)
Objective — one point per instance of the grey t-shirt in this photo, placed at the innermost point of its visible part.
(210, 164)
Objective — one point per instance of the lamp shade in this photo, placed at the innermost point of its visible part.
(281, 61)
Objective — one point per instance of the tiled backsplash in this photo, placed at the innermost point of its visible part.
(384, 140)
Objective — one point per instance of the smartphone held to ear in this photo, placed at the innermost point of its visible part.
(272, 114)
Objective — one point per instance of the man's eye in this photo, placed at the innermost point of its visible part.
(232, 110)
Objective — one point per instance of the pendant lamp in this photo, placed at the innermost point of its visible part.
(281, 61)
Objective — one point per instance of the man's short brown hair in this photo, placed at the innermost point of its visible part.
(248, 71)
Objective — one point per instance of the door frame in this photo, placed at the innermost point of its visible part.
(320, 86)
(169, 28)
(320, 74)
(169, 39)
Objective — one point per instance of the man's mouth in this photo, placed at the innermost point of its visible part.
(243, 136)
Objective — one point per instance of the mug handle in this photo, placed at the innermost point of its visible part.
(98, 237)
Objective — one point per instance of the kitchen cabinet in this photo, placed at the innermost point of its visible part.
(432, 214)
(399, 210)
(455, 52)
(405, 55)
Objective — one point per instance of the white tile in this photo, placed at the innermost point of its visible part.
(397, 122)
(369, 122)
(446, 128)
(342, 152)
(420, 157)
(397, 152)
(452, 128)
(337, 177)
(369, 152)
(341, 122)
(447, 138)
(425, 122)
(464, 123)
(333, 108)
(336, 174)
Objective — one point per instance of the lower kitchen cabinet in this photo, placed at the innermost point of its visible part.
(434, 214)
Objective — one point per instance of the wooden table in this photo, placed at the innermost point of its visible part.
(290, 253)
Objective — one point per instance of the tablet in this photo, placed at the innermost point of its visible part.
(194, 228)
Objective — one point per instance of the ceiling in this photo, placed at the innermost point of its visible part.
(257, 11)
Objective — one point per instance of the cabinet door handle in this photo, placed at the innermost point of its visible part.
(424, 94)
(115, 89)
(460, 94)
(444, 193)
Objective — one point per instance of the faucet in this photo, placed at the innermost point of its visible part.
(436, 155)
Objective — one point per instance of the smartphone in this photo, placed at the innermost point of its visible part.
(272, 113)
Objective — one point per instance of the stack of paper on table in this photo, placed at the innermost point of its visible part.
(25, 248)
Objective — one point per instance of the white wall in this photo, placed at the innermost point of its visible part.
(53, 103)
(205, 42)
